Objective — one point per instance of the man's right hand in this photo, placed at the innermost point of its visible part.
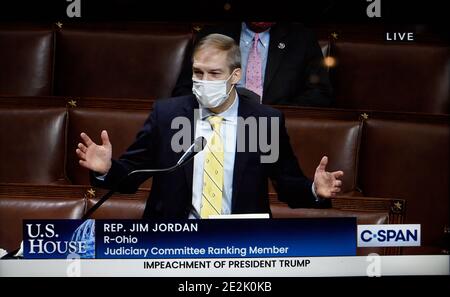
(95, 157)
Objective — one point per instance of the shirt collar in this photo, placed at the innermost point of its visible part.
(247, 35)
(229, 115)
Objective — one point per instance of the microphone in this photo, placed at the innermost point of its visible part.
(198, 145)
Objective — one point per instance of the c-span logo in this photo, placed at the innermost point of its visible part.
(388, 235)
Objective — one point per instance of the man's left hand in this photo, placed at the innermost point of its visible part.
(327, 184)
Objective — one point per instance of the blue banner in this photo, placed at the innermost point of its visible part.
(218, 238)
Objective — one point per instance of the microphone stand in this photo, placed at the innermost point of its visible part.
(113, 190)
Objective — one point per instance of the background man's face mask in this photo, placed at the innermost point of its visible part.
(259, 27)
(211, 93)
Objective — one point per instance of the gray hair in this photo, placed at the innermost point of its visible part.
(223, 43)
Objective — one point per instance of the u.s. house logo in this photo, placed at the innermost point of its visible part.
(52, 239)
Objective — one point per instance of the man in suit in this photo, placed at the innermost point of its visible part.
(223, 178)
(291, 63)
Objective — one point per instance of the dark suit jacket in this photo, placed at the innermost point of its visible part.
(295, 74)
(171, 193)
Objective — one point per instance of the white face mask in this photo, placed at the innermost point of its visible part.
(211, 93)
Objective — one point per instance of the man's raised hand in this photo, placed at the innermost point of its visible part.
(93, 156)
(327, 184)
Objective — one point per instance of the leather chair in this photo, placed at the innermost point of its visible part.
(338, 139)
(26, 59)
(119, 61)
(392, 77)
(33, 145)
(19, 202)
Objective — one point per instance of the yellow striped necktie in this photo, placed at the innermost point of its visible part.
(213, 172)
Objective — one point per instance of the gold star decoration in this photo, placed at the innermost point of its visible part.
(364, 116)
(398, 205)
(59, 24)
(72, 103)
(335, 35)
(90, 193)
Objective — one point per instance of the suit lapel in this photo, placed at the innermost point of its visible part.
(277, 47)
(189, 167)
(241, 158)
